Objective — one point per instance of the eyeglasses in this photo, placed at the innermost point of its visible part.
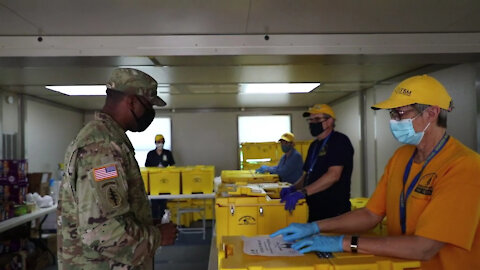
(316, 119)
(397, 114)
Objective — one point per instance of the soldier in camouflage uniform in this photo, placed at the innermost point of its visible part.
(104, 217)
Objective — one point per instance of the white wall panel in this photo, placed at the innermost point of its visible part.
(48, 131)
(460, 84)
(347, 112)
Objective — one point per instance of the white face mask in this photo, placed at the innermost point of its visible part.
(159, 145)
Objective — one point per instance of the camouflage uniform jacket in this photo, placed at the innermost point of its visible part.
(104, 218)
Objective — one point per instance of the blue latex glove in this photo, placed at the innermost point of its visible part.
(285, 191)
(296, 231)
(292, 199)
(320, 243)
(262, 169)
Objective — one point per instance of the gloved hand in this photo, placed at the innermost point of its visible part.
(285, 191)
(296, 231)
(292, 199)
(320, 243)
(262, 169)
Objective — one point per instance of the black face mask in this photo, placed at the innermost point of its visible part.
(316, 128)
(144, 120)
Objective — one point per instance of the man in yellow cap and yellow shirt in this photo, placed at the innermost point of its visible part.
(325, 182)
(429, 192)
(289, 168)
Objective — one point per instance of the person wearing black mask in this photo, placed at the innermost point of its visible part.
(325, 182)
(102, 195)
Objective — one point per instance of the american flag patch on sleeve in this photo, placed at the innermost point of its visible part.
(106, 172)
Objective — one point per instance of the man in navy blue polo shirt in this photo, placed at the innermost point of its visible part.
(327, 170)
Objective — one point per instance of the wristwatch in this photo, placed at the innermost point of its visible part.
(304, 191)
(354, 244)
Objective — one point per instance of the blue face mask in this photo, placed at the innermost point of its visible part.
(404, 132)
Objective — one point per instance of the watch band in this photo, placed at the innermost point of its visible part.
(354, 244)
(304, 191)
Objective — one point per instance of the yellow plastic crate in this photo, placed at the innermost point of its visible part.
(251, 216)
(360, 202)
(164, 180)
(253, 166)
(304, 146)
(231, 256)
(201, 203)
(259, 150)
(244, 176)
(198, 179)
(186, 218)
(271, 190)
(144, 172)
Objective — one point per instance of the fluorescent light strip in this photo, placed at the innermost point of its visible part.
(93, 90)
(79, 90)
(277, 88)
(258, 160)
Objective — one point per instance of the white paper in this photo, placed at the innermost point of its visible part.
(266, 246)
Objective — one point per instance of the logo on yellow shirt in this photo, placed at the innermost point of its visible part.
(425, 184)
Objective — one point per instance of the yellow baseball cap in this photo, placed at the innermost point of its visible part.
(159, 137)
(288, 137)
(421, 89)
(319, 108)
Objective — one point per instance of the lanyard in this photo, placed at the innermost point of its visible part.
(313, 158)
(403, 196)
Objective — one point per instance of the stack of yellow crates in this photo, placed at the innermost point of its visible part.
(201, 203)
(252, 208)
(266, 151)
(181, 180)
(271, 152)
(186, 218)
(178, 180)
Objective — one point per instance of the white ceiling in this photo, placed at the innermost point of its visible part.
(203, 49)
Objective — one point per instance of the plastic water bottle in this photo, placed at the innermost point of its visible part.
(51, 186)
(54, 186)
(166, 217)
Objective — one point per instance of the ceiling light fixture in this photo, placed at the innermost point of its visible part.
(79, 90)
(93, 90)
(277, 88)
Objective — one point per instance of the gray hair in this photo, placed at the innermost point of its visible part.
(442, 116)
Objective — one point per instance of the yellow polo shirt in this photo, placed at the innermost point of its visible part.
(444, 205)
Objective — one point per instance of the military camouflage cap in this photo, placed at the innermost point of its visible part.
(136, 82)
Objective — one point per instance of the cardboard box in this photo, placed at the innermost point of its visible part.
(13, 171)
(38, 182)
